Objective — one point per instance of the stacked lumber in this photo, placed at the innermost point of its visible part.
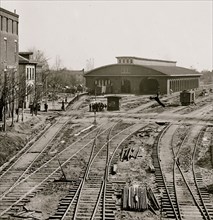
(129, 152)
(135, 198)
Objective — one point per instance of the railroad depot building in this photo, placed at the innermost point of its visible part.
(136, 75)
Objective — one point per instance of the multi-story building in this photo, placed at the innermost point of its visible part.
(27, 79)
(9, 22)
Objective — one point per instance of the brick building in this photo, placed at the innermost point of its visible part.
(8, 57)
(141, 76)
(8, 41)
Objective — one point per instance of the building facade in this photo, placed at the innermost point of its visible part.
(27, 78)
(141, 76)
(9, 40)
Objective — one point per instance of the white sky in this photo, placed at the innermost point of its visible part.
(80, 30)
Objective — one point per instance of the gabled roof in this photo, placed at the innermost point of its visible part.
(164, 70)
(174, 70)
(23, 60)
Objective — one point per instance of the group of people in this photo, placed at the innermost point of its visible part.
(34, 107)
(97, 107)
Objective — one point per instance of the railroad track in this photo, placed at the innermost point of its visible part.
(93, 198)
(167, 204)
(20, 167)
(15, 169)
(181, 197)
(200, 207)
(20, 192)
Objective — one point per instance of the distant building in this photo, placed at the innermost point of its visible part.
(8, 57)
(141, 76)
(27, 78)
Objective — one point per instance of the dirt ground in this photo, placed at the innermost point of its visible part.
(133, 172)
(136, 171)
(21, 133)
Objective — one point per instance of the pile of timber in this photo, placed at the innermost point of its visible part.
(129, 152)
(27, 214)
(139, 199)
(135, 198)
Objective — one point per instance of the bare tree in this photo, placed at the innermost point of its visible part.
(41, 75)
(40, 57)
(89, 64)
(8, 96)
(58, 64)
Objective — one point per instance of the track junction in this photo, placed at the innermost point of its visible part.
(170, 139)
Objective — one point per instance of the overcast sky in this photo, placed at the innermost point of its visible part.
(101, 30)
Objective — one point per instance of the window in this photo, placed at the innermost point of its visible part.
(33, 75)
(27, 73)
(7, 24)
(124, 70)
(17, 28)
(12, 27)
(16, 50)
(5, 49)
(1, 23)
(30, 73)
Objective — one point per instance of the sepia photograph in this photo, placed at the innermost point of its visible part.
(106, 109)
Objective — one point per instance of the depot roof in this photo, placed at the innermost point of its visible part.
(112, 70)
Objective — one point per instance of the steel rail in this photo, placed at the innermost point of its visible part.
(106, 178)
(102, 191)
(198, 206)
(163, 178)
(85, 177)
(30, 165)
(103, 185)
(28, 150)
(76, 193)
(26, 146)
(98, 200)
(91, 159)
(186, 183)
(195, 180)
(110, 161)
(174, 176)
(52, 172)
